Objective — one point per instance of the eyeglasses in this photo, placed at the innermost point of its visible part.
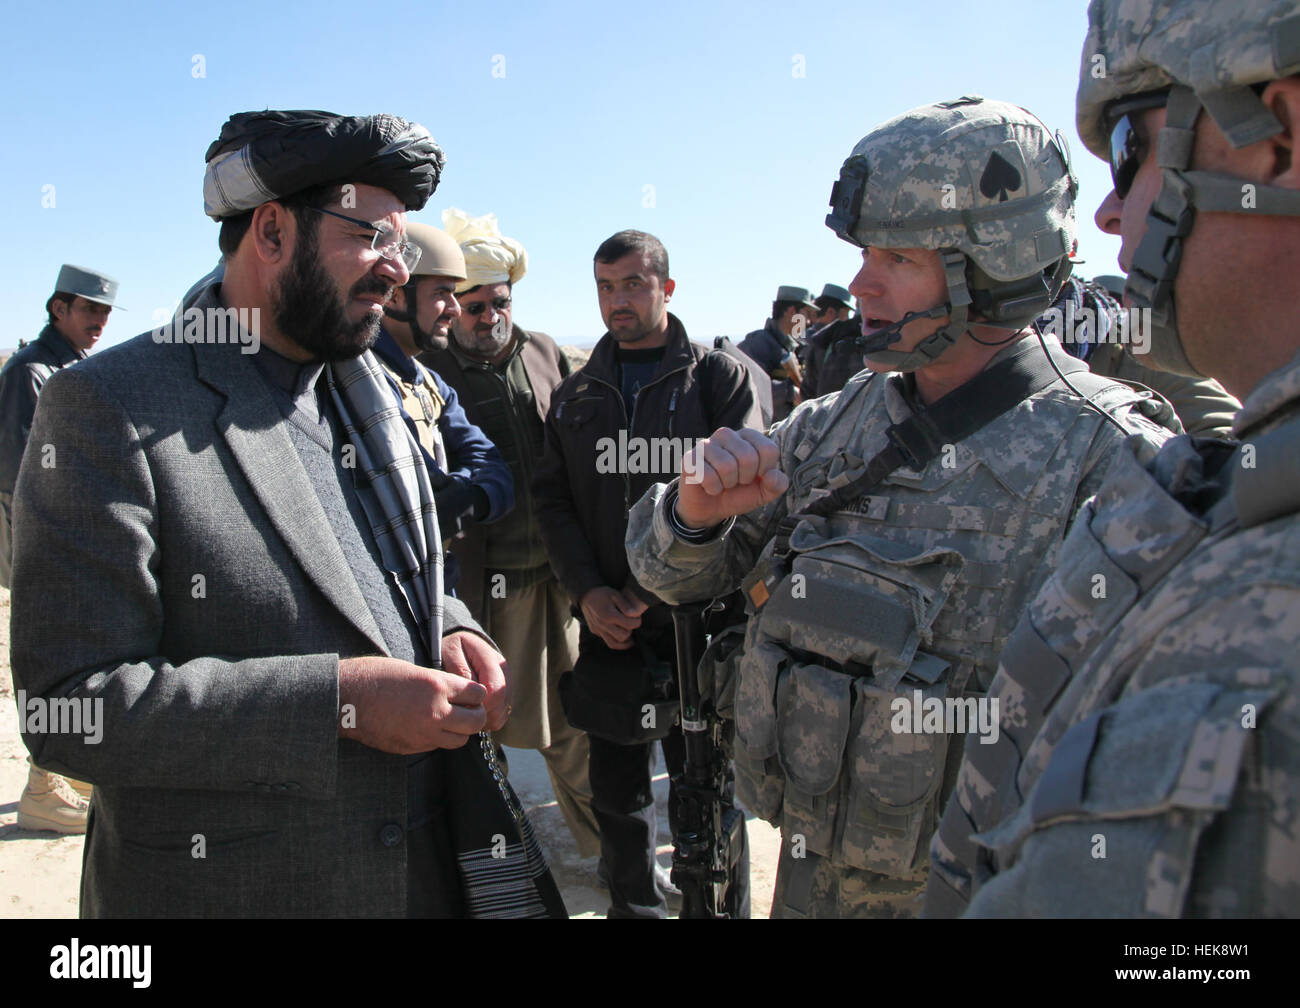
(1126, 146)
(478, 307)
(383, 242)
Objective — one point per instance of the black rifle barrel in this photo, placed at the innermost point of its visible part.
(701, 845)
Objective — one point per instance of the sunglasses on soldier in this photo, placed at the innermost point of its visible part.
(1126, 144)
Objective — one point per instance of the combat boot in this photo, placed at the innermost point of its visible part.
(50, 803)
(82, 787)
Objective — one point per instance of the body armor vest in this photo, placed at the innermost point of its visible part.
(424, 404)
(1166, 538)
(898, 603)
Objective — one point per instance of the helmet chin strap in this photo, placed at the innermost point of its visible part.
(1150, 284)
(937, 343)
(422, 338)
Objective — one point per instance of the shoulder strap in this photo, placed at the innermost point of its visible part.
(1270, 488)
(917, 440)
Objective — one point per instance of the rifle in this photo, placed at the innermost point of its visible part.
(709, 843)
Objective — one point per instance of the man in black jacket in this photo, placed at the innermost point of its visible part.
(613, 429)
(77, 312)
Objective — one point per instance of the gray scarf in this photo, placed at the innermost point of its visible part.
(406, 527)
(509, 882)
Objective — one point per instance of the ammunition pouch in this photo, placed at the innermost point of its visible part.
(832, 649)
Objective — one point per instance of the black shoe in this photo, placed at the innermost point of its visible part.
(663, 877)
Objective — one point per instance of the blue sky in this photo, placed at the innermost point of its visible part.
(589, 105)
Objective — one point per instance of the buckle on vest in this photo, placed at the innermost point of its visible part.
(915, 441)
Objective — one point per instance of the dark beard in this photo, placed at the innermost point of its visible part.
(426, 339)
(308, 310)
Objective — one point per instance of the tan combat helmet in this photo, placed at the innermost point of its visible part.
(987, 185)
(1187, 55)
(439, 253)
(439, 256)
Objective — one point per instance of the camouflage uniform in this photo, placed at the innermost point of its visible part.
(968, 542)
(907, 593)
(1151, 686)
(1176, 735)
(1203, 406)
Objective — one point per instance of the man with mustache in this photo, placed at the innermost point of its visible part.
(472, 481)
(888, 535)
(504, 376)
(777, 345)
(77, 312)
(644, 381)
(237, 561)
(833, 356)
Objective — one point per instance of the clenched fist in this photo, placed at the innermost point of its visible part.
(728, 474)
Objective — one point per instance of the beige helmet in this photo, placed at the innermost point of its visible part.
(439, 253)
(1187, 56)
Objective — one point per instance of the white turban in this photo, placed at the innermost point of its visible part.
(490, 257)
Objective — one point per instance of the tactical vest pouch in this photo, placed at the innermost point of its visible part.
(719, 670)
(814, 707)
(759, 781)
(1124, 800)
(894, 776)
(835, 641)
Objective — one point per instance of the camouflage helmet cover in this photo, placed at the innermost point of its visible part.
(984, 177)
(1134, 46)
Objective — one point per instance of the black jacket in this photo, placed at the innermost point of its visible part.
(582, 510)
(20, 383)
(833, 357)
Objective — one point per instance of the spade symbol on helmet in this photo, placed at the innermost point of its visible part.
(1000, 178)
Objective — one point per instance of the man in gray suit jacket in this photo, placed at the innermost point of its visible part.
(207, 621)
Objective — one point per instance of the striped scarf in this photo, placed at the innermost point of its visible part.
(500, 879)
(406, 527)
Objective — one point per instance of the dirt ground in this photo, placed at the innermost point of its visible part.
(40, 872)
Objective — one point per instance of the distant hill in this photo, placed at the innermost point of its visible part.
(577, 355)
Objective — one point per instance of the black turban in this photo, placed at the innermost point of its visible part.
(262, 156)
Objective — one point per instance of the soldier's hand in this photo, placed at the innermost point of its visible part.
(469, 655)
(728, 474)
(610, 617)
(397, 707)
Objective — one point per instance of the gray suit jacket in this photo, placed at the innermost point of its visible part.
(177, 571)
